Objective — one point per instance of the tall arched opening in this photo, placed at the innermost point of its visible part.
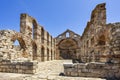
(42, 53)
(67, 48)
(34, 29)
(47, 54)
(34, 49)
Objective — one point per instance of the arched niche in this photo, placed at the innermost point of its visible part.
(34, 50)
(42, 35)
(67, 48)
(51, 55)
(47, 54)
(42, 53)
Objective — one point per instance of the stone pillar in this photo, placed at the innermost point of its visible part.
(26, 25)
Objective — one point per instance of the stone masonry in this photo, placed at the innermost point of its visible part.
(97, 50)
(35, 44)
(68, 45)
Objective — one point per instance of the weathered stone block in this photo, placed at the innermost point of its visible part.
(74, 73)
(82, 66)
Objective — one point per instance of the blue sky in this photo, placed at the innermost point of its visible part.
(55, 15)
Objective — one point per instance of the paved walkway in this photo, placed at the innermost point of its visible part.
(48, 70)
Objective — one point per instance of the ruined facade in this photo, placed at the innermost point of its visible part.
(68, 45)
(100, 48)
(35, 44)
(97, 41)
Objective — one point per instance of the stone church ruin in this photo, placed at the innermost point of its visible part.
(97, 50)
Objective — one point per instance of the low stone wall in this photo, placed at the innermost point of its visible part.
(18, 67)
(100, 70)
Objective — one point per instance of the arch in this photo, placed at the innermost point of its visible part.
(19, 45)
(47, 54)
(51, 55)
(34, 49)
(67, 48)
(68, 43)
(42, 35)
(47, 38)
(67, 39)
(42, 53)
(34, 29)
(20, 41)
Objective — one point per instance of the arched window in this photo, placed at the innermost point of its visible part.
(16, 45)
(67, 34)
(34, 30)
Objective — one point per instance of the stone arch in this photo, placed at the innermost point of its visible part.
(34, 29)
(67, 48)
(47, 54)
(20, 40)
(42, 35)
(47, 38)
(42, 53)
(22, 51)
(34, 50)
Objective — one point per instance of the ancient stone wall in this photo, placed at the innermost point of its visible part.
(114, 42)
(40, 43)
(34, 44)
(102, 70)
(18, 67)
(100, 48)
(96, 38)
